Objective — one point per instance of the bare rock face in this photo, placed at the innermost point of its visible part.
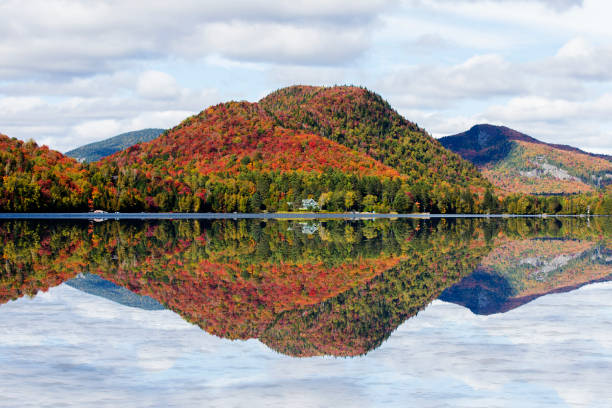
(543, 169)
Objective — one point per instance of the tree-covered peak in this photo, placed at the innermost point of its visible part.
(362, 120)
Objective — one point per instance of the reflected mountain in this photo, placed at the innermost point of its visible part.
(517, 272)
(312, 288)
(95, 285)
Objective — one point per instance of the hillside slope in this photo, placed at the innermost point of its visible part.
(362, 120)
(97, 150)
(350, 152)
(227, 136)
(36, 178)
(515, 162)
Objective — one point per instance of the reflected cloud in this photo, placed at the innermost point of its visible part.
(154, 358)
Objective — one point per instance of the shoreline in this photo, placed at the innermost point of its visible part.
(295, 216)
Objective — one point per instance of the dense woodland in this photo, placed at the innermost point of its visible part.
(527, 169)
(34, 178)
(343, 147)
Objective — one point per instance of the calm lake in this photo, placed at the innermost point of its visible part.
(441, 312)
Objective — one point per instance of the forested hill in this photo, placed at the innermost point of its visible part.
(334, 149)
(344, 148)
(233, 157)
(516, 162)
(362, 120)
(559, 257)
(95, 151)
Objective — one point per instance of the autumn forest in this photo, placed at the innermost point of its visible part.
(344, 148)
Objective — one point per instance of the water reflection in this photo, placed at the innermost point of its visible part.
(307, 288)
(519, 270)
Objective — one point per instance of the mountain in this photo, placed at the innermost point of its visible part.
(516, 162)
(341, 146)
(233, 157)
(225, 137)
(95, 151)
(363, 121)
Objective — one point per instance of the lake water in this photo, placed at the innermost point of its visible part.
(477, 312)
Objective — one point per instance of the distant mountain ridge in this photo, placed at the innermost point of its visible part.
(97, 150)
(516, 162)
(483, 136)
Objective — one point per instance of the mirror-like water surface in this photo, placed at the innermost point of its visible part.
(440, 312)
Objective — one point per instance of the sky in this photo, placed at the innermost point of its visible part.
(73, 72)
(71, 349)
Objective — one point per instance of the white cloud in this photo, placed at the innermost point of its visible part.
(149, 99)
(580, 59)
(283, 43)
(429, 43)
(565, 75)
(157, 85)
(324, 76)
(563, 4)
(576, 48)
(536, 109)
(162, 119)
(87, 38)
(560, 5)
(101, 85)
(15, 105)
(117, 64)
(481, 76)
